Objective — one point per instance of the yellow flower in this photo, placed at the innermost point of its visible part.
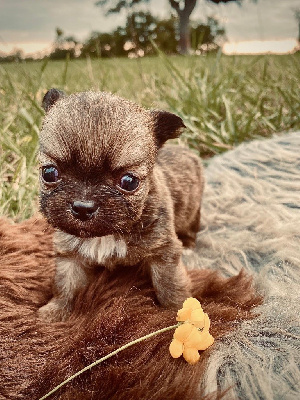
(191, 312)
(192, 335)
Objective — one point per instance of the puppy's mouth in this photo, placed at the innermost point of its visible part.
(95, 226)
(87, 226)
(88, 231)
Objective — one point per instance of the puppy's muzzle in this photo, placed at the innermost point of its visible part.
(83, 210)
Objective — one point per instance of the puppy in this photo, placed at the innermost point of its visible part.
(116, 197)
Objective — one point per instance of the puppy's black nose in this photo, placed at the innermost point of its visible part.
(83, 210)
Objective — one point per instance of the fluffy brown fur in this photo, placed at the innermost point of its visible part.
(116, 308)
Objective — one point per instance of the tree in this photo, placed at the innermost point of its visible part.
(142, 27)
(183, 8)
(134, 39)
(184, 14)
(16, 55)
(297, 17)
(64, 46)
(166, 36)
(105, 44)
(205, 37)
(59, 35)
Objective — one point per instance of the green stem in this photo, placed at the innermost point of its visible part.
(168, 328)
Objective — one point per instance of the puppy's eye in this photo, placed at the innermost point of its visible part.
(129, 182)
(50, 174)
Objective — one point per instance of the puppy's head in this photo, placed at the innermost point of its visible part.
(97, 153)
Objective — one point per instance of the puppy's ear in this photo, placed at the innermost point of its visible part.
(166, 126)
(51, 98)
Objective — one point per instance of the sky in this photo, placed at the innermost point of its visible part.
(268, 25)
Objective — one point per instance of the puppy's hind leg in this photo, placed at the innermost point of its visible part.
(189, 235)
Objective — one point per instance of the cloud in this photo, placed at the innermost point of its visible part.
(32, 19)
(265, 19)
(36, 20)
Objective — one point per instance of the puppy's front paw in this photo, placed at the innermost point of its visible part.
(173, 299)
(54, 311)
(172, 287)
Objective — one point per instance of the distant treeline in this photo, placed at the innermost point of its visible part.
(135, 39)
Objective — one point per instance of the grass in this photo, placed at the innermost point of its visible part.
(222, 100)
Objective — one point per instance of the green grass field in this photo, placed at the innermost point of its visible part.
(222, 100)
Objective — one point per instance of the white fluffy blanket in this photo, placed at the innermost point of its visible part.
(251, 220)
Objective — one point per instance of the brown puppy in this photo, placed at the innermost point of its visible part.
(115, 196)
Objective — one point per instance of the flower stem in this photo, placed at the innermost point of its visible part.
(113, 353)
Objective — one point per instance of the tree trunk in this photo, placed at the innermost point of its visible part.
(184, 21)
(184, 32)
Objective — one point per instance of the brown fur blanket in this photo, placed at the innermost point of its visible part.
(114, 310)
(250, 222)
